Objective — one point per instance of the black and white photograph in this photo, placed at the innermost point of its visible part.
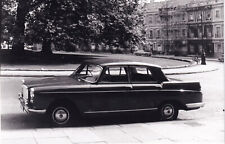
(112, 72)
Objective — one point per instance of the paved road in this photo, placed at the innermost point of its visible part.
(50, 72)
(205, 125)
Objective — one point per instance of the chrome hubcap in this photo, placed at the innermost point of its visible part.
(61, 115)
(168, 111)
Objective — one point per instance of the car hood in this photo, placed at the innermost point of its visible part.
(54, 81)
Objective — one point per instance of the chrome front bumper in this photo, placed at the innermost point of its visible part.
(194, 105)
(24, 106)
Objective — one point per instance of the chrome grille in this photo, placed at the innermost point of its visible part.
(25, 92)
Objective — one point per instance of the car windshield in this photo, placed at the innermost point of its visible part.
(88, 72)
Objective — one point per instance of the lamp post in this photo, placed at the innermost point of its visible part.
(203, 61)
(164, 14)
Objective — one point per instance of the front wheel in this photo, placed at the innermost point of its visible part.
(168, 111)
(60, 115)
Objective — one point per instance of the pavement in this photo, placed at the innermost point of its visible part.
(189, 68)
(137, 133)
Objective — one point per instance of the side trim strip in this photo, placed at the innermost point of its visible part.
(115, 111)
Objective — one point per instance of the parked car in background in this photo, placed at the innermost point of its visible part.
(142, 53)
(221, 58)
(108, 86)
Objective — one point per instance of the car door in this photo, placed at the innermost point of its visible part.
(145, 89)
(111, 92)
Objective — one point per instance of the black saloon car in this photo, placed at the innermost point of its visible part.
(109, 86)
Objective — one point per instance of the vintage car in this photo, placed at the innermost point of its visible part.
(109, 86)
(142, 53)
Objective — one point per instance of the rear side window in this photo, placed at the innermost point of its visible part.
(141, 74)
(143, 70)
(115, 74)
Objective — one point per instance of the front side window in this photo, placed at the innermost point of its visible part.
(115, 74)
(141, 74)
(88, 72)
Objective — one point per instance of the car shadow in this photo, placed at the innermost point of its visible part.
(120, 119)
(22, 121)
(16, 121)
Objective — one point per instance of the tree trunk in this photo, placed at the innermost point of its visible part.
(46, 47)
(18, 41)
(1, 24)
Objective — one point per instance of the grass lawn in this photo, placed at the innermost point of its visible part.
(67, 61)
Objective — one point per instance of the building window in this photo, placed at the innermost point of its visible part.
(158, 33)
(199, 32)
(222, 29)
(219, 48)
(171, 34)
(208, 31)
(183, 17)
(217, 14)
(199, 18)
(150, 20)
(217, 35)
(208, 16)
(183, 32)
(176, 33)
(151, 34)
(164, 35)
(191, 17)
(158, 19)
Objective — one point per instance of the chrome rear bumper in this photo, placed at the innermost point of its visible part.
(194, 105)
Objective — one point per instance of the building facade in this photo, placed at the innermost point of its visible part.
(153, 28)
(186, 27)
(218, 27)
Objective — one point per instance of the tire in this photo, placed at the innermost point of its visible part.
(60, 115)
(168, 111)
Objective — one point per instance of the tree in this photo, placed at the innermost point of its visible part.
(59, 22)
(0, 23)
(71, 22)
(7, 20)
(116, 15)
(78, 21)
(139, 27)
(18, 41)
(23, 8)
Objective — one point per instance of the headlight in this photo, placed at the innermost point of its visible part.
(32, 95)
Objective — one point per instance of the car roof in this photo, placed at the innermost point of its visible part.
(112, 62)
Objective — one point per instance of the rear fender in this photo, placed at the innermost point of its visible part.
(182, 85)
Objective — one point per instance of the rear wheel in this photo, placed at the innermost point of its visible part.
(168, 111)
